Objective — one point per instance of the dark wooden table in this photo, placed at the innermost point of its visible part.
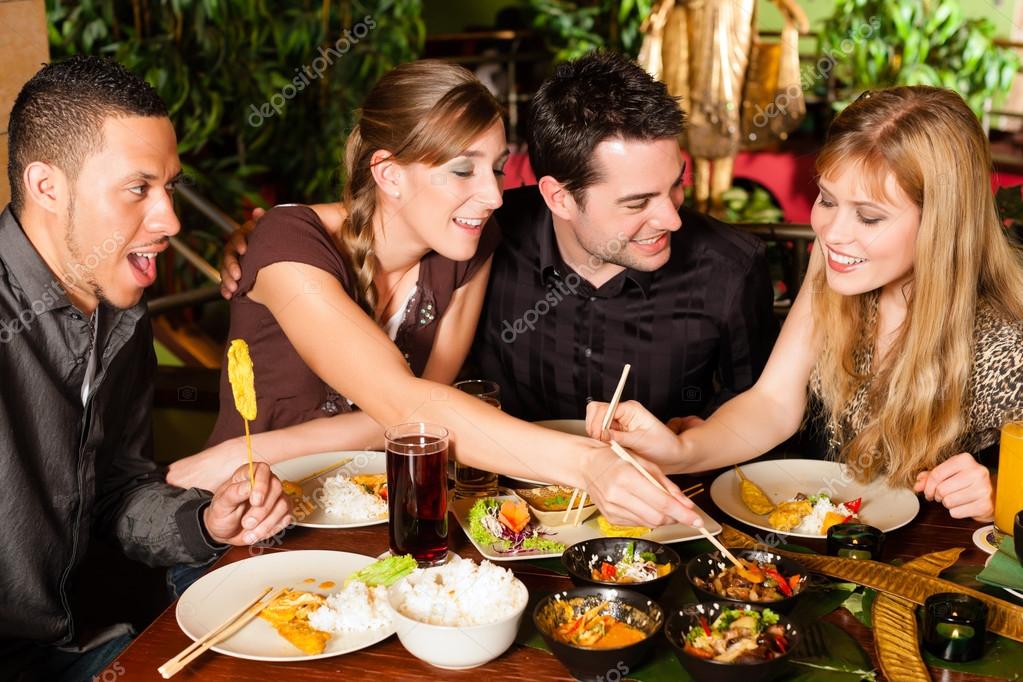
(932, 530)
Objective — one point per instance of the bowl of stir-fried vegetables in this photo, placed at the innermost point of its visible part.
(765, 578)
(635, 564)
(595, 631)
(726, 642)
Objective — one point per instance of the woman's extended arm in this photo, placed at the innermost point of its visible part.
(746, 426)
(319, 317)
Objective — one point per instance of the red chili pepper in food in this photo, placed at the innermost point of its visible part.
(706, 627)
(780, 641)
(783, 584)
(794, 581)
(608, 571)
(854, 505)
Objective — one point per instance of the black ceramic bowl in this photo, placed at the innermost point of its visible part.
(680, 622)
(629, 607)
(711, 563)
(578, 558)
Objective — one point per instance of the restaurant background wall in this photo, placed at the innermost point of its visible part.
(23, 48)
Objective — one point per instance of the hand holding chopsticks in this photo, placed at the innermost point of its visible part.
(225, 630)
(624, 454)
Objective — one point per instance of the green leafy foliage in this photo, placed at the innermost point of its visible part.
(572, 29)
(881, 43)
(218, 62)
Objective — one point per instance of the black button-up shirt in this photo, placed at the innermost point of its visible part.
(696, 331)
(71, 467)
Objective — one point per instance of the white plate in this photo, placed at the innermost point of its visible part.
(883, 507)
(216, 596)
(576, 427)
(1015, 593)
(363, 462)
(569, 535)
(984, 538)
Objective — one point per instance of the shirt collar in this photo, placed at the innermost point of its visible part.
(31, 273)
(553, 265)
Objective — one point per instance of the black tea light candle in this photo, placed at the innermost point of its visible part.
(855, 541)
(955, 626)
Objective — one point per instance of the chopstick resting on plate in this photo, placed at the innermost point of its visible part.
(225, 630)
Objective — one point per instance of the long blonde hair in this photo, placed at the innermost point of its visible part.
(938, 153)
(426, 111)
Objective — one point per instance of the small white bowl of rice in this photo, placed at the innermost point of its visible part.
(459, 615)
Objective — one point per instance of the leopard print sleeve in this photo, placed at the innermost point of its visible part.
(996, 389)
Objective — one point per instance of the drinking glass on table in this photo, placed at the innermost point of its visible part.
(1009, 488)
(417, 491)
(470, 481)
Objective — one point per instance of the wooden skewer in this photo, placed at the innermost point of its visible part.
(579, 510)
(624, 454)
(571, 502)
(693, 490)
(614, 400)
(320, 472)
(226, 629)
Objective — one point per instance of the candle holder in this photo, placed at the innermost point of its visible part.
(855, 541)
(955, 626)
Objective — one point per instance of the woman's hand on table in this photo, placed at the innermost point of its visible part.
(634, 427)
(963, 485)
(627, 498)
(209, 468)
(243, 514)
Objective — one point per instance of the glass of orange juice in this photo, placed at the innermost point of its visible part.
(1009, 490)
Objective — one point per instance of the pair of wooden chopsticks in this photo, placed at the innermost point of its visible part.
(624, 454)
(324, 470)
(603, 429)
(226, 629)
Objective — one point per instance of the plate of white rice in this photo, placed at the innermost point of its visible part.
(355, 615)
(882, 506)
(333, 500)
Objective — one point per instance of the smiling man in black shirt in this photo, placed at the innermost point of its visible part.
(93, 161)
(600, 264)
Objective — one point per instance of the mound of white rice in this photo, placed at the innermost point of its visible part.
(356, 608)
(350, 501)
(812, 522)
(460, 593)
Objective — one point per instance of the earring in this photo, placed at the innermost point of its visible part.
(397, 195)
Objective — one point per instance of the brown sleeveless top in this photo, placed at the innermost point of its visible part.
(287, 391)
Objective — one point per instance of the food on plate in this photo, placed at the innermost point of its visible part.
(460, 593)
(309, 619)
(813, 514)
(506, 525)
(633, 567)
(386, 571)
(551, 498)
(356, 607)
(289, 614)
(374, 484)
(738, 636)
(752, 496)
(344, 496)
(756, 581)
(592, 628)
(612, 531)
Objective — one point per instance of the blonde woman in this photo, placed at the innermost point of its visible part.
(380, 312)
(909, 327)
